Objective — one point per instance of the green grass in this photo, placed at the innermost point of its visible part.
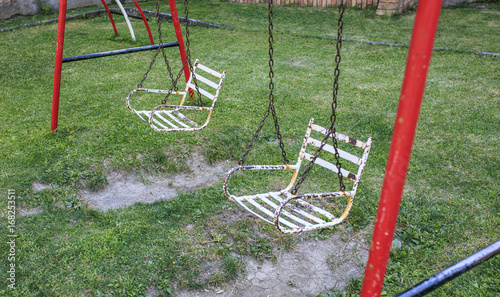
(450, 206)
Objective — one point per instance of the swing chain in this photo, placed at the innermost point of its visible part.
(160, 48)
(149, 69)
(271, 98)
(271, 84)
(333, 116)
(174, 85)
(188, 54)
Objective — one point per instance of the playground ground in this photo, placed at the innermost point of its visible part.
(75, 237)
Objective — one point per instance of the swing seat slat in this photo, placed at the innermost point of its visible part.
(297, 213)
(167, 117)
(344, 155)
(202, 91)
(212, 72)
(206, 81)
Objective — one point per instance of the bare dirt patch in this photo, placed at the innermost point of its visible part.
(125, 189)
(308, 270)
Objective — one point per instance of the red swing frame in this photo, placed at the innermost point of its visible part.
(60, 45)
(412, 91)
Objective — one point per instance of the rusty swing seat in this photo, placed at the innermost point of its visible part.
(167, 117)
(293, 213)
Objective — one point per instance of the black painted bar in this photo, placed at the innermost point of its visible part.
(118, 52)
(451, 272)
(129, 15)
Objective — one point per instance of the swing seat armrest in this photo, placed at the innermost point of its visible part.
(150, 91)
(182, 107)
(325, 195)
(252, 167)
(155, 91)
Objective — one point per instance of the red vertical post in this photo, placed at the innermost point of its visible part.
(57, 69)
(110, 17)
(178, 34)
(417, 65)
(145, 21)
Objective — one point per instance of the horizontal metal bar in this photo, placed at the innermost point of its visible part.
(129, 15)
(450, 273)
(118, 52)
(168, 17)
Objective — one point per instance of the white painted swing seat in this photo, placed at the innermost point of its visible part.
(292, 213)
(168, 118)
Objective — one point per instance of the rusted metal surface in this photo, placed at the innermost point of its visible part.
(168, 117)
(296, 213)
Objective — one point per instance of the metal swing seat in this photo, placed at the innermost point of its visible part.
(167, 117)
(293, 213)
(289, 211)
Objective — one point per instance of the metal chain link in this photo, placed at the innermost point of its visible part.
(333, 116)
(149, 68)
(174, 85)
(271, 84)
(188, 54)
(271, 97)
(160, 48)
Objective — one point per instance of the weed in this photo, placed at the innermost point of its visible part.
(127, 287)
(73, 202)
(230, 268)
(286, 242)
(321, 234)
(95, 179)
(46, 9)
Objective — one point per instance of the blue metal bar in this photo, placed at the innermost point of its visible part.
(451, 272)
(118, 52)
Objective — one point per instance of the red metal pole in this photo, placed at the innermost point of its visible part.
(178, 34)
(57, 69)
(110, 17)
(422, 41)
(145, 21)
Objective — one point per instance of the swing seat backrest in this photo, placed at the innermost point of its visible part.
(168, 118)
(209, 83)
(359, 162)
(308, 211)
